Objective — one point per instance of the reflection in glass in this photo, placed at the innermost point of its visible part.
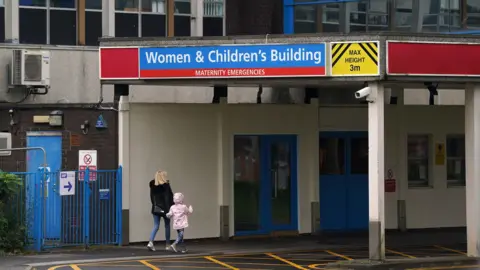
(246, 183)
(280, 162)
(156, 6)
(332, 156)
(33, 3)
(93, 4)
(456, 169)
(359, 156)
(473, 14)
(440, 15)
(403, 15)
(418, 150)
(317, 18)
(182, 7)
(62, 3)
(126, 5)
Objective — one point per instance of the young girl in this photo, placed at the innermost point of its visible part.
(179, 213)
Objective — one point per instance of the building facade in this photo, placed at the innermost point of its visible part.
(70, 30)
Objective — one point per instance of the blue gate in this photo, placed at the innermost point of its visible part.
(91, 215)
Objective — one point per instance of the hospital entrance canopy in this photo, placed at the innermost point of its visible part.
(290, 59)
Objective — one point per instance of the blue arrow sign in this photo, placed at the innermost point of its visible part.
(69, 186)
(67, 183)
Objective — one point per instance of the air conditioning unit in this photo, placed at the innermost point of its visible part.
(30, 68)
(5, 143)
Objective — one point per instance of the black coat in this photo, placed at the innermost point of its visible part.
(161, 196)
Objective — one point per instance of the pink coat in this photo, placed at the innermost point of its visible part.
(179, 212)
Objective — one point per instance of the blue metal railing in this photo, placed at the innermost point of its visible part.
(90, 216)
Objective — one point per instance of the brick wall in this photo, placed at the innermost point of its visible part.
(254, 17)
(104, 141)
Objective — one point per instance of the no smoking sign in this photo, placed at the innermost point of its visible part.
(87, 159)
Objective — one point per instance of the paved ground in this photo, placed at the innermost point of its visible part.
(295, 259)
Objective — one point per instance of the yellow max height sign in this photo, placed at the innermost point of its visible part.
(354, 58)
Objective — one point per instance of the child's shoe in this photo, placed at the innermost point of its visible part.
(174, 247)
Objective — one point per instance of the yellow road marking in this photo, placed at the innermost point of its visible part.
(286, 261)
(58, 266)
(116, 265)
(151, 266)
(210, 258)
(75, 267)
(451, 249)
(401, 253)
(338, 255)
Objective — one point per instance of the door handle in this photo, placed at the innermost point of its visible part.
(275, 183)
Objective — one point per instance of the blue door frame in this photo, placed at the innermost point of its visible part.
(265, 213)
(344, 197)
(52, 143)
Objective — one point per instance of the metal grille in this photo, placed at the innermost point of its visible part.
(213, 8)
(33, 67)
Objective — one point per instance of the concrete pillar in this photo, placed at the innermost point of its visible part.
(108, 18)
(124, 161)
(313, 160)
(12, 27)
(196, 29)
(472, 155)
(376, 171)
(223, 156)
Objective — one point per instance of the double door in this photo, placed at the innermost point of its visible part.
(343, 181)
(265, 184)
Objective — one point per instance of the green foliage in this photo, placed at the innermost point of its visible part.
(13, 237)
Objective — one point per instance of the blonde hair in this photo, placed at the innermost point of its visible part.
(161, 178)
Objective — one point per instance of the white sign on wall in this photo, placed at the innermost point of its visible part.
(87, 159)
(67, 183)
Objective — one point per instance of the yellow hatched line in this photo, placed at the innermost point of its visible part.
(286, 261)
(451, 249)
(149, 265)
(210, 258)
(401, 253)
(338, 255)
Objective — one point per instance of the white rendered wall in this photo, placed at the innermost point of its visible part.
(184, 140)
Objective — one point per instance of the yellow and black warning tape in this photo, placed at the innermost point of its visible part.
(339, 49)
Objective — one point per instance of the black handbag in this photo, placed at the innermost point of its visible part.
(157, 210)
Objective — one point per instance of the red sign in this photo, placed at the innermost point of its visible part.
(433, 59)
(118, 63)
(92, 175)
(390, 185)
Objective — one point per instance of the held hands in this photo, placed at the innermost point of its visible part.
(169, 214)
(190, 209)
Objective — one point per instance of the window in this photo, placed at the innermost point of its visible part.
(473, 14)
(213, 18)
(48, 22)
(418, 162)
(456, 160)
(440, 15)
(146, 18)
(93, 18)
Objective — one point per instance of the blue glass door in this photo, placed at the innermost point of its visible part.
(265, 184)
(343, 158)
(52, 143)
(280, 187)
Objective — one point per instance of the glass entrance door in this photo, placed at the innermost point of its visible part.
(265, 186)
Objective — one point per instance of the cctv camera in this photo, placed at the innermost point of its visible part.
(364, 92)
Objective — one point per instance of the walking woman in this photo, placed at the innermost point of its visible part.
(161, 197)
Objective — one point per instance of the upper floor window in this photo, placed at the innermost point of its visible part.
(473, 14)
(456, 168)
(418, 160)
(48, 22)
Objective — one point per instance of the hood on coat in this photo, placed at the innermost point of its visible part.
(178, 198)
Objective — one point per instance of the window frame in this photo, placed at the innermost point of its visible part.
(455, 182)
(420, 183)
